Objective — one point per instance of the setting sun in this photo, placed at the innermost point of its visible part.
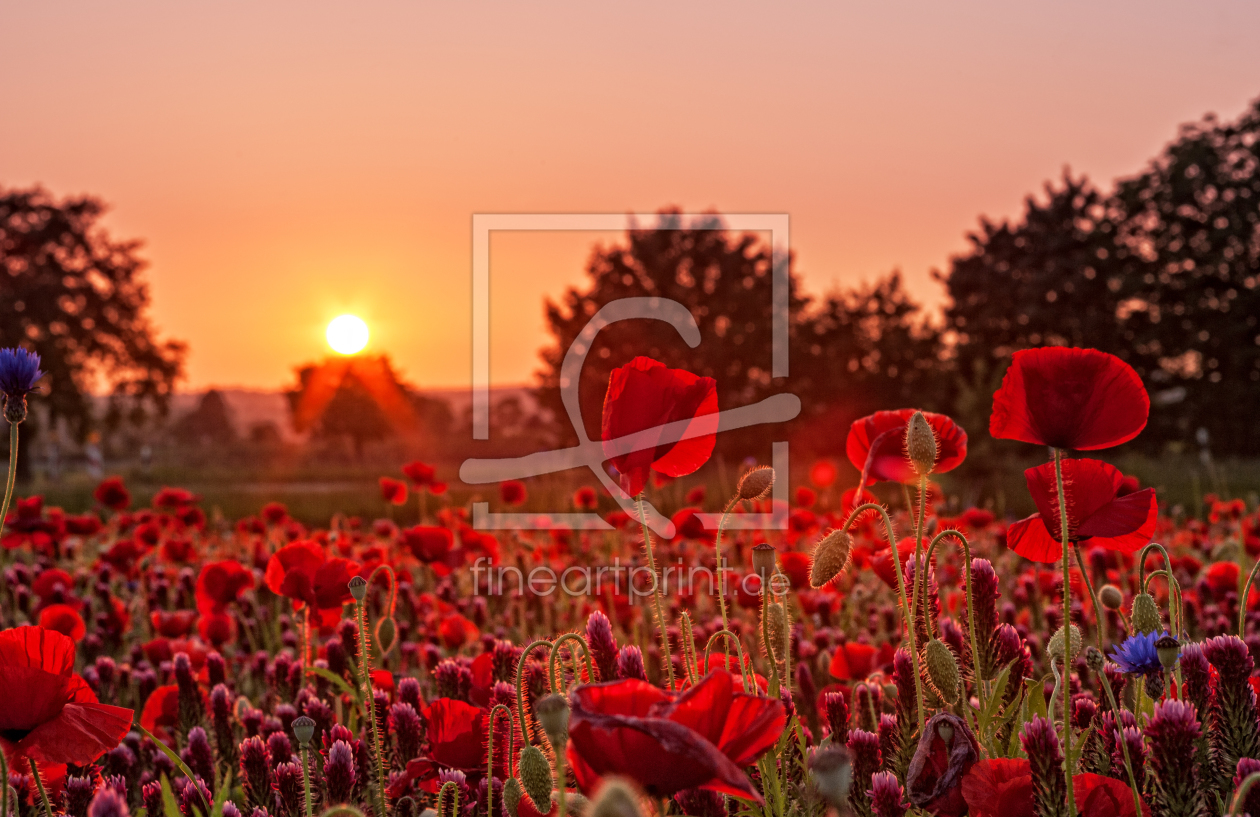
(347, 334)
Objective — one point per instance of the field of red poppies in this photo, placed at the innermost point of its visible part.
(868, 658)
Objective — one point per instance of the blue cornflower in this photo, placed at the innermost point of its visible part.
(1137, 655)
(19, 371)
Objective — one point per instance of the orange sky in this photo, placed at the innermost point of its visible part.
(289, 161)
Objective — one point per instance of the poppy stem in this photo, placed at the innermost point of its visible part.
(365, 675)
(490, 753)
(306, 779)
(4, 785)
(11, 478)
(520, 687)
(39, 784)
(1100, 620)
(717, 546)
(656, 597)
(775, 683)
(1124, 744)
(1065, 546)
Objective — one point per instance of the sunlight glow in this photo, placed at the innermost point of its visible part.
(347, 334)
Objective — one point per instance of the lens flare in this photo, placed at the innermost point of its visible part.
(347, 334)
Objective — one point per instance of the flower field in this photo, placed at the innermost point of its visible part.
(869, 659)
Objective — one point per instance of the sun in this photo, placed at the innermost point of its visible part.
(347, 334)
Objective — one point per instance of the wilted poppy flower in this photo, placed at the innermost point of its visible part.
(393, 491)
(946, 752)
(644, 395)
(47, 713)
(423, 477)
(669, 742)
(512, 492)
(1000, 787)
(1065, 398)
(1095, 511)
(301, 571)
(877, 445)
(113, 494)
(221, 583)
(64, 619)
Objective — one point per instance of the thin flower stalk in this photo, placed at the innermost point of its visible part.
(971, 605)
(369, 702)
(39, 784)
(1067, 628)
(520, 683)
(496, 710)
(656, 598)
(556, 680)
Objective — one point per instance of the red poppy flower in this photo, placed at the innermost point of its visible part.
(302, 572)
(882, 562)
(456, 735)
(457, 631)
(644, 395)
(688, 525)
(1095, 511)
(852, 661)
(428, 544)
(806, 497)
(48, 713)
(796, 565)
(173, 499)
(877, 445)
(53, 585)
(1099, 796)
(88, 524)
(1222, 577)
(1000, 787)
(123, 555)
(180, 551)
(217, 628)
(423, 476)
(64, 619)
(161, 710)
(174, 624)
(823, 474)
(221, 583)
(393, 491)
(668, 742)
(113, 494)
(274, 513)
(585, 498)
(512, 492)
(1079, 399)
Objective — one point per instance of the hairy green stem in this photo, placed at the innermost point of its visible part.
(971, 605)
(43, 793)
(1124, 745)
(656, 597)
(729, 637)
(490, 753)
(1067, 627)
(556, 685)
(717, 546)
(365, 675)
(10, 480)
(520, 684)
(306, 781)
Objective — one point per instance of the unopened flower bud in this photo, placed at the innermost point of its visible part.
(942, 669)
(756, 483)
(1169, 650)
(511, 796)
(1145, 613)
(1110, 596)
(536, 777)
(386, 634)
(921, 444)
(1055, 648)
(615, 799)
(1095, 659)
(303, 729)
(832, 774)
(830, 557)
(553, 714)
(763, 561)
(358, 588)
(776, 624)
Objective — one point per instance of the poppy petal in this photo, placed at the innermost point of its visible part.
(1031, 539)
(79, 735)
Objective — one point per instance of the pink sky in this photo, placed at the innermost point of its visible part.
(289, 161)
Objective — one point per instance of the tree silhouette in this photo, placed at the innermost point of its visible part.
(208, 424)
(75, 296)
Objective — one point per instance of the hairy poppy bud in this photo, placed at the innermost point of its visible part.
(303, 729)
(1110, 596)
(615, 799)
(942, 669)
(1145, 614)
(763, 560)
(832, 773)
(1056, 646)
(358, 588)
(536, 777)
(830, 557)
(1095, 659)
(511, 796)
(921, 444)
(553, 714)
(776, 623)
(756, 483)
(386, 634)
(1168, 649)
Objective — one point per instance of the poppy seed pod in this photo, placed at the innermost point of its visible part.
(536, 777)
(830, 557)
(511, 796)
(942, 670)
(1169, 650)
(553, 714)
(615, 799)
(1110, 596)
(921, 444)
(756, 483)
(358, 588)
(763, 560)
(303, 729)
(1145, 614)
(832, 774)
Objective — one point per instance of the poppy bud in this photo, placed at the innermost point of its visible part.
(358, 588)
(1055, 648)
(536, 777)
(832, 774)
(776, 623)
(303, 729)
(942, 669)
(763, 560)
(1095, 659)
(756, 483)
(553, 714)
(386, 634)
(921, 444)
(830, 557)
(511, 796)
(615, 799)
(1145, 614)
(1168, 649)
(1110, 596)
